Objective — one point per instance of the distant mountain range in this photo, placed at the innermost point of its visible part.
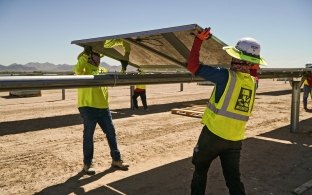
(49, 67)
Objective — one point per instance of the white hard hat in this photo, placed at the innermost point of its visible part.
(246, 49)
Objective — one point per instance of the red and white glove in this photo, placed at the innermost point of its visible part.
(193, 60)
(204, 35)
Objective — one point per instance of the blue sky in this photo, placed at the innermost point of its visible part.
(42, 30)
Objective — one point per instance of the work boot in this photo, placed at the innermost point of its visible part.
(88, 169)
(120, 165)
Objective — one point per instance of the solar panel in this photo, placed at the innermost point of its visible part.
(167, 47)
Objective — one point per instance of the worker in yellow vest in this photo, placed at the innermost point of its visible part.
(307, 86)
(94, 109)
(227, 112)
(139, 90)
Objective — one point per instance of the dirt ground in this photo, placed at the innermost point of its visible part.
(41, 144)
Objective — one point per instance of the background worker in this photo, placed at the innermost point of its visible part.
(94, 109)
(227, 112)
(139, 90)
(307, 86)
(254, 72)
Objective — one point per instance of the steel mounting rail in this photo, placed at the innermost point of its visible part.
(8, 83)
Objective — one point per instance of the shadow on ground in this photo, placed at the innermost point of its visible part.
(74, 184)
(272, 163)
(36, 124)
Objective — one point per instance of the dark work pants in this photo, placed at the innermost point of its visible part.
(102, 116)
(142, 95)
(209, 147)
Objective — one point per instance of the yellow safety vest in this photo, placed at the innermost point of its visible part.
(306, 82)
(227, 118)
(140, 87)
(96, 97)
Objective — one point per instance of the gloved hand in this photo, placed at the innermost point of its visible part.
(87, 50)
(204, 35)
(124, 64)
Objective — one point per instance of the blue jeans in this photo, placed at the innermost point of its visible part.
(92, 116)
(209, 147)
(306, 92)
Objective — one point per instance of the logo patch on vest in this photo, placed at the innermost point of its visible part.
(243, 100)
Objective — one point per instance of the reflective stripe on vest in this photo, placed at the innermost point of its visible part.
(226, 102)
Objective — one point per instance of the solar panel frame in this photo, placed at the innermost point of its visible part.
(162, 47)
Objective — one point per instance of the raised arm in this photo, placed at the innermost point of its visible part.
(193, 61)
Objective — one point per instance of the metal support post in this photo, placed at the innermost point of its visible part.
(131, 94)
(63, 94)
(181, 86)
(295, 103)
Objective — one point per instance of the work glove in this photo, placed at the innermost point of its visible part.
(204, 35)
(87, 50)
(193, 60)
(124, 64)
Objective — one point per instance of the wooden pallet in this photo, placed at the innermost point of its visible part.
(193, 111)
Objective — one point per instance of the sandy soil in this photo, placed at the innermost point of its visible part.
(41, 144)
